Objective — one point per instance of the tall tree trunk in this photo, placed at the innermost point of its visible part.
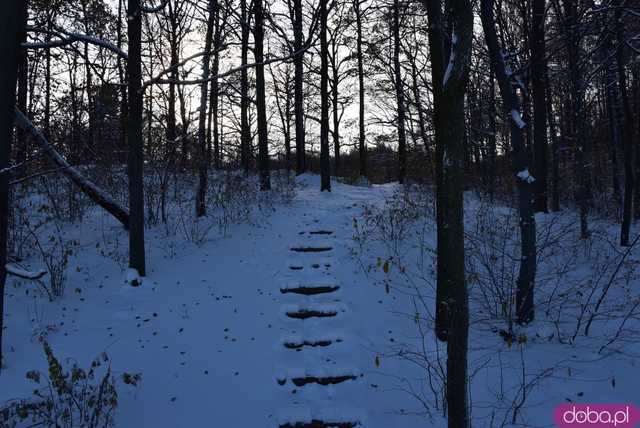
(12, 21)
(527, 272)
(397, 73)
(627, 129)
(245, 129)
(436, 47)
(555, 150)
(203, 161)
(636, 100)
(579, 124)
(538, 71)
(452, 320)
(421, 115)
(123, 89)
(87, 66)
(134, 130)
(493, 149)
(298, 61)
(47, 82)
(23, 93)
(215, 89)
(261, 108)
(362, 148)
(614, 110)
(172, 133)
(325, 175)
(336, 117)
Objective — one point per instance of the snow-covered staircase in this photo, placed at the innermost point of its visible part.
(316, 367)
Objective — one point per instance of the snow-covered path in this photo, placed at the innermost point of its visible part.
(221, 336)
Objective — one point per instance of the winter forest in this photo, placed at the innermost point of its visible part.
(319, 213)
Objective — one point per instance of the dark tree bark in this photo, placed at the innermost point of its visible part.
(124, 102)
(298, 61)
(172, 133)
(325, 174)
(493, 149)
(12, 21)
(336, 117)
(89, 82)
(418, 100)
(47, 82)
(555, 150)
(261, 108)
(362, 148)
(627, 129)
(538, 80)
(636, 100)
(527, 272)
(397, 73)
(245, 129)
(215, 89)
(203, 161)
(23, 93)
(452, 319)
(134, 130)
(583, 147)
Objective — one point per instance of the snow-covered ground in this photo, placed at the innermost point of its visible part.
(222, 338)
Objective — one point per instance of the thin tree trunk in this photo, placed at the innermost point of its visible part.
(362, 148)
(397, 72)
(555, 150)
(336, 119)
(215, 89)
(298, 61)
(583, 147)
(538, 71)
(134, 131)
(23, 93)
(245, 130)
(627, 131)
(325, 175)
(527, 272)
(452, 319)
(203, 164)
(12, 21)
(493, 150)
(261, 108)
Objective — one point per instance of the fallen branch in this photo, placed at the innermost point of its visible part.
(24, 274)
(95, 193)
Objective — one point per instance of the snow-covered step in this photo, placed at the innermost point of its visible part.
(318, 423)
(317, 375)
(310, 248)
(330, 415)
(317, 232)
(320, 263)
(297, 341)
(314, 310)
(310, 289)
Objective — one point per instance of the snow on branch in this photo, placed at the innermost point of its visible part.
(23, 273)
(517, 119)
(452, 59)
(67, 38)
(525, 176)
(94, 192)
(154, 9)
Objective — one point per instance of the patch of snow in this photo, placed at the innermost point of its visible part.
(25, 274)
(132, 277)
(525, 176)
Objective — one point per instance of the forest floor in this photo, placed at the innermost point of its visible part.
(225, 333)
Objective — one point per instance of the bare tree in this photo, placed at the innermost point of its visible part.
(12, 21)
